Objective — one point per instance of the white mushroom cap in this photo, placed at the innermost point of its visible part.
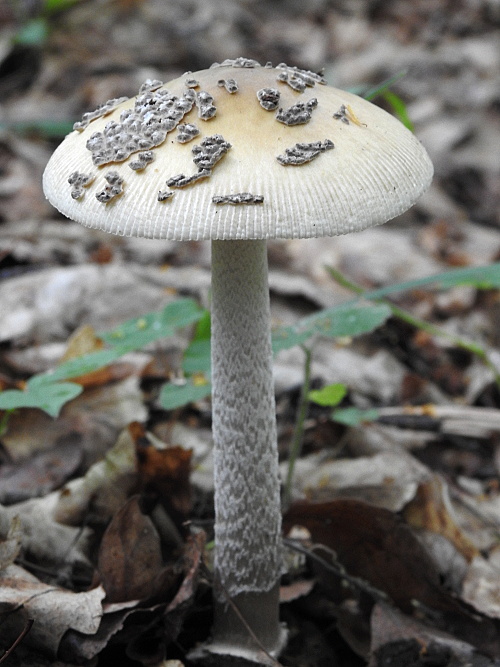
(375, 170)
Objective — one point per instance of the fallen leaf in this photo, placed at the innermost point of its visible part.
(431, 509)
(400, 641)
(130, 559)
(54, 610)
(388, 479)
(10, 545)
(82, 341)
(93, 419)
(374, 544)
(192, 561)
(39, 474)
(46, 542)
(103, 489)
(296, 590)
(165, 472)
(377, 546)
(481, 585)
(125, 624)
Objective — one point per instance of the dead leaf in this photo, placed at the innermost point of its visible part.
(85, 341)
(82, 341)
(103, 489)
(10, 545)
(165, 472)
(296, 590)
(388, 479)
(374, 544)
(400, 641)
(39, 474)
(377, 546)
(130, 559)
(431, 509)
(193, 559)
(54, 610)
(125, 624)
(481, 586)
(93, 419)
(46, 542)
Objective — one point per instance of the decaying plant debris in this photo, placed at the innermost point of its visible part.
(392, 540)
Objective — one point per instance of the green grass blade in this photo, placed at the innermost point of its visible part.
(380, 88)
(480, 277)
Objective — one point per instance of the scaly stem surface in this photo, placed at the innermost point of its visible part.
(248, 559)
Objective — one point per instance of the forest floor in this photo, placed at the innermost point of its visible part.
(399, 512)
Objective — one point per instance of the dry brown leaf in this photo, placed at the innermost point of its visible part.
(103, 489)
(130, 560)
(85, 341)
(10, 545)
(374, 544)
(296, 590)
(400, 641)
(39, 474)
(165, 472)
(54, 610)
(44, 541)
(377, 546)
(481, 586)
(193, 559)
(82, 341)
(78, 648)
(431, 509)
(388, 479)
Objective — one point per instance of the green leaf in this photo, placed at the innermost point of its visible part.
(284, 338)
(33, 33)
(196, 358)
(176, 395)
(330, 395)
(54, 6)
(49, 397)
(129, 336)
(347, 320)
(141, 331)
(480, 277)
(46, 390)
(351, 319)
(47, 129)
(399, 108)
(354, 416)
(73, 368)
(203, 328)
(380, 88)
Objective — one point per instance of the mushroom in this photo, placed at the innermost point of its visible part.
(282, 156)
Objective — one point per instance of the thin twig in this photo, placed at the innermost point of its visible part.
(24, 632)
(409, 318)
(335, 567)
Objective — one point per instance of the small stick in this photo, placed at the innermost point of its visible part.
(24, 632)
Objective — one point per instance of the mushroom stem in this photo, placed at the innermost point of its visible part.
(247, 489)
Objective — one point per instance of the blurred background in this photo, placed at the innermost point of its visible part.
(59, 58)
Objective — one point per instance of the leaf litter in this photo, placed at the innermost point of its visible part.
(420, 586)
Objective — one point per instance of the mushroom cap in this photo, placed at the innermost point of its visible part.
(332, 165)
